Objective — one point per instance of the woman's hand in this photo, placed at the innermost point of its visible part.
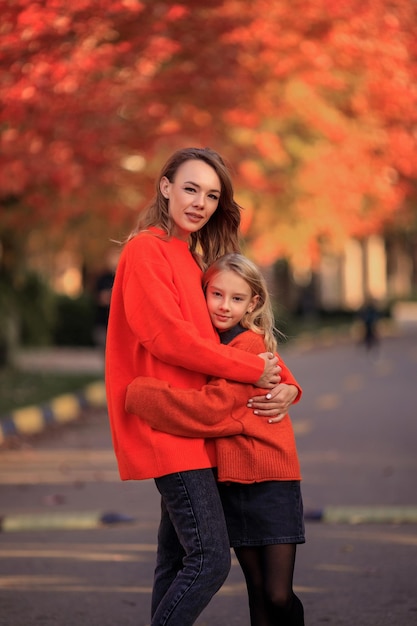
(274, 404)
(270, 377)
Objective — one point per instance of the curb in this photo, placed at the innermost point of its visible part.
(363, 515)
(62, 521)
(87, 520)
(62, 409)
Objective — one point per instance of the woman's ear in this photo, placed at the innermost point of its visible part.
(164, 186)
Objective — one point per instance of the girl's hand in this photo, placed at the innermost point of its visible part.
(270, 377)
(274, 404)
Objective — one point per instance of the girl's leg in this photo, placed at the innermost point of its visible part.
(192, 503)
(250, 560)
(286, 608)
(268, 571)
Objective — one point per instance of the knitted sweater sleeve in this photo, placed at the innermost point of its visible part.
(212, 411)
(217, 410)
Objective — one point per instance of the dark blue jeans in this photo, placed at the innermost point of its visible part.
(193, 558)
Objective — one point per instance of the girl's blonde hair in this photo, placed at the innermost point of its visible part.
(261, 319)
(220, 234)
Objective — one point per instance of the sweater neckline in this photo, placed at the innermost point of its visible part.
(228, 335)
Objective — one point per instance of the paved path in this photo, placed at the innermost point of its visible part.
(356, 434)
(61, 359)
(32, 420)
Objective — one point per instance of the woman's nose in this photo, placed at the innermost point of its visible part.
(199, 199)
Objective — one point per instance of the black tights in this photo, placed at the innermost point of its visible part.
(268, 572)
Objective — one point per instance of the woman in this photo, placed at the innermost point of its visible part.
(159, 326)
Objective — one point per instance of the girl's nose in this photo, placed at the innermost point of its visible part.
(225, 306)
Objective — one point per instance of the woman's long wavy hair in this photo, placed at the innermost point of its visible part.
(220, 234)
(261, 319)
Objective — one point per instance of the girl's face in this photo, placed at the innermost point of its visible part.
(228, 298)
(193, 197)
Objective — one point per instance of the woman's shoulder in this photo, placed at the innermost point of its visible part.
(153, 248)
(150, 236)
(147, 242)
(156, 238)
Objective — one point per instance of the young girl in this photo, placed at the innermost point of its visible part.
(159, 326)
(258, 468)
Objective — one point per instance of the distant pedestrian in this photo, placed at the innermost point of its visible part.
(369, 316)
(101, 295)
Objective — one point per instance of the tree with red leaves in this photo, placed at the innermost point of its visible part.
(313, 103)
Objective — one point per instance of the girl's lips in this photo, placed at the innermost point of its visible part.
(222, 318)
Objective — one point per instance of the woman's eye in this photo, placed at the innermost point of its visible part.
(213, 196)
(189, 189)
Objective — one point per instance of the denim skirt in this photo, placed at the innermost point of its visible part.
(264, 513)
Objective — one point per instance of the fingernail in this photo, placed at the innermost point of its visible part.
(256, 412)
(268, 396)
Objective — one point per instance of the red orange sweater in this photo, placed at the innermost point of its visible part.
(257, 452)
(159, 326)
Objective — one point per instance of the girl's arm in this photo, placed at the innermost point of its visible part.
(217, 410)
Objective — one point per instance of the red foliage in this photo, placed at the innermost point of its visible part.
(314, 103)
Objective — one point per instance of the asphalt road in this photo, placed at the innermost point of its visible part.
(356, 430)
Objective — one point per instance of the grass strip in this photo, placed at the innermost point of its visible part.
(22, 388)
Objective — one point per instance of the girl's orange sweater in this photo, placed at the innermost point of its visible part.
(159, 326)
(249, 449)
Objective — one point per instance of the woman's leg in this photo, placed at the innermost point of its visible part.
(170, 554)
(268, 572)
(192, 503)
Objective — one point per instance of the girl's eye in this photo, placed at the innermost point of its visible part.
(213, 196)
(189, 189)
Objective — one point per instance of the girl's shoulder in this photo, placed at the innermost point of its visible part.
(249, 341)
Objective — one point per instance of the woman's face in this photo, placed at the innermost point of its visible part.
(193, 197)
